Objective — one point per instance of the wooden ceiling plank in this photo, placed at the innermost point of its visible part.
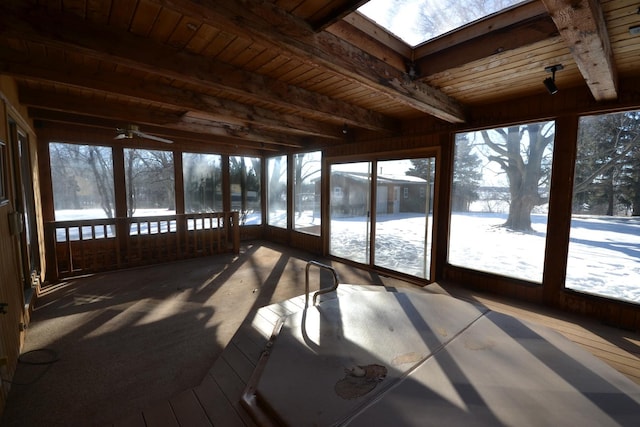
(582, 25)
(129, 88)
(144, 18)
(183, 32)
(265, 23)
(372, 46)
(521, 13)
(376, 32)
(74, 35)
(164, 25)
(79, 129)
(98, 11)
(332, 12)
(143, 116)
(484, 46)
(122, 13)
(202, 38)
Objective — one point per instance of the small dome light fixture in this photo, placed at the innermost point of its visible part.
(550, 82)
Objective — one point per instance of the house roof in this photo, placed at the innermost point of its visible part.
(381, 178)
(286, 75)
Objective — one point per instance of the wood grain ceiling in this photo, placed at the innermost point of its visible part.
(290, 74)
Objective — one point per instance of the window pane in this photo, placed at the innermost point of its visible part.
(402, 240)
(306, 187)
(277, 191)
(500, 195)
(349, 210)
(82, 180)
(245, 188)
(418, 21)
(150, 182)
(604, 246)
(202, 175)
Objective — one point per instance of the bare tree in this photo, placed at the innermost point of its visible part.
(520, 151)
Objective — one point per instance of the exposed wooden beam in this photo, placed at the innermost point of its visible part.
(162, 118)
(62, 127)
(582, 25)
(501, 40)
(331, 13)
(68, 32)
(265, 23)
(512, 17)
(129, 88)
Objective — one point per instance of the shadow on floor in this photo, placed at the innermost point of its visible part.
(127, 338)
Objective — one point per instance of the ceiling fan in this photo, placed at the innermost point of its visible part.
(133, 130)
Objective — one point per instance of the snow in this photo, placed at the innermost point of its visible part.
(604, 252)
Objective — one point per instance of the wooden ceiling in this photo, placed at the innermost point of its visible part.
(291, 74)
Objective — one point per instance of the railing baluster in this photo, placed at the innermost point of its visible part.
(97, 249)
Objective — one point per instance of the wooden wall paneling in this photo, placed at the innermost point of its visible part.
(307, 242)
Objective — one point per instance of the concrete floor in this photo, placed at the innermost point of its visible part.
(127, 338)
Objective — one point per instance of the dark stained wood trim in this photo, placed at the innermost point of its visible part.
(559, 215)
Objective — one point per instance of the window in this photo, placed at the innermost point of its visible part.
(202, 176)
(500, 195)
(82, 179)
(245, 188)
(418, 21)
(150, 182)
(306, 187)
(277, 191)
(3, 173)
(399, 236)
(604, 257)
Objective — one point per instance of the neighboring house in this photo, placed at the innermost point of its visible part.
(394, 194)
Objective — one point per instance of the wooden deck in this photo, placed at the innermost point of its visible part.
(216, 401)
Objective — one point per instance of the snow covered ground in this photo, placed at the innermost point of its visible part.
(604, 252)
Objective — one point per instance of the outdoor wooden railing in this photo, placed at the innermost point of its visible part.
(86, 246)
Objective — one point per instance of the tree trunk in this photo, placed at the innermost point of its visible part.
(520, 214)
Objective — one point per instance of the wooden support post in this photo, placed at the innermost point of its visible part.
(235, 220)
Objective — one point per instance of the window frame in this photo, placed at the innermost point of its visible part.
(4, 174)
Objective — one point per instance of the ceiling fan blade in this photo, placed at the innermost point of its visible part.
(153, 137)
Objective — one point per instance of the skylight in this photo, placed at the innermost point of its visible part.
(416, 21)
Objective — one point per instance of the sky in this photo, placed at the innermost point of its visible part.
(400, 17)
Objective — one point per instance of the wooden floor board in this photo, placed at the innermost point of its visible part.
(216, 405)
(188, 410)
(217, 399)
(251, 348)
(160, 415)
(232, 386)
(133, 420)
(239, 362)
